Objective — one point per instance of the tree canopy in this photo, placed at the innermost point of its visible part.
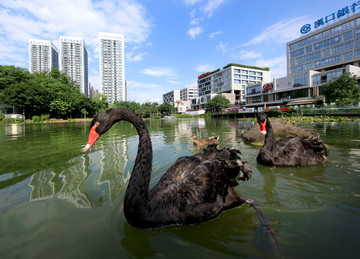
(344, 90)
(217, 104)
(43, 93)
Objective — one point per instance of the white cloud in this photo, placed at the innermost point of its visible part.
(194, 32)
(248, 55)
(135, 84)
(42, 19)
(159, 72)
(211, 6)
(222, 46)
(191, 2)
(135, 57)
(203, 68)
(277, 65)
(212, 35)
(142, 92)
(281, 32)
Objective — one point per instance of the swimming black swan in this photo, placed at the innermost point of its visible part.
(291, 151)
(195, 189)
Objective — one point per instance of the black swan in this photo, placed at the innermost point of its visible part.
(195, 189)
(291, 151)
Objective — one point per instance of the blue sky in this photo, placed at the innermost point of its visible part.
(168, 43)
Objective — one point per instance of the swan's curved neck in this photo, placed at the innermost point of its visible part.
(269, 137)
(137, 192)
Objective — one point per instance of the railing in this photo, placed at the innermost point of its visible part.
(345, 111)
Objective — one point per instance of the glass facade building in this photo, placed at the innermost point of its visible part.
(112, 66)
(74, 61)
(313, 60)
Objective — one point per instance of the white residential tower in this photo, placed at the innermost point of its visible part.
(74, 61)
(112, 66)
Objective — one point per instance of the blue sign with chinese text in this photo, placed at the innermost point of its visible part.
(323, 21)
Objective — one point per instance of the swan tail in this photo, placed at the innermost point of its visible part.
(264, 223)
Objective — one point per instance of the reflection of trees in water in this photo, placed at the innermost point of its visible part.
(69, 184)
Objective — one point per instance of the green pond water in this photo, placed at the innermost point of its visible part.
(56, 201)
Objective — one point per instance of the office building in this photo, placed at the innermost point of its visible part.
(112, 67)
(188, 93)
(74, 61)
(229, 82)
(313, 60)
(171, 97)
(43, 56)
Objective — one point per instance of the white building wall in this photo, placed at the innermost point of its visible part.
(43, 56)
(112, 66)
(74, 61)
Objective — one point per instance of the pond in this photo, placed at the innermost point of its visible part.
(58, 201)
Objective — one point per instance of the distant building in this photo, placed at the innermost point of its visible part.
(112, 67)
(171, 97)
(229, 82)
(312, 60)
(74, 61)
(43, 56)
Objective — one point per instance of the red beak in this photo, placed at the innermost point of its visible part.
(93, 136)
(263, 127)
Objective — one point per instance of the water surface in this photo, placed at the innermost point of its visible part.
(57, 201)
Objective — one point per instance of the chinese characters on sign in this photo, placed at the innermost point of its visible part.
(323, 21)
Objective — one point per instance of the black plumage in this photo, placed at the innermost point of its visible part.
(194, 189)
(291, 151)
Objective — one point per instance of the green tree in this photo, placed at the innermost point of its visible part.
(10, 75)
(44, 93)
(133, 106)
(148, 109)
(344, 90)
(61, 108)
(166, 109)
(100, 103)
(217, 104)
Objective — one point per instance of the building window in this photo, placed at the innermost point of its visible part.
(297, 53)
(253, 90)
(244, 71)
(309, 66)
(342, 47)
(342, 27)
(326, 34)
(326, 52)
(300, 80)
(348, 55)
(347, 35)
(296, 69)
(333, 75)
(357, 53)
(316, 79)
(309, 49)
(236, 81)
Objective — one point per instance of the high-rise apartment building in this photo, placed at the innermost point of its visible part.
(43, 56)
(74, 61)
(112, 66)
